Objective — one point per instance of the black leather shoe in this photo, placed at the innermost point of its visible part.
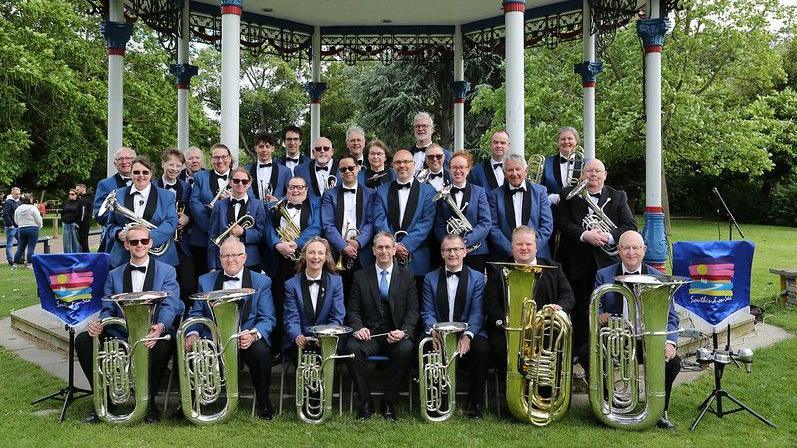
(177, 415)
(266, 412)
(92, 418)
(366, 410)
(388, 411)
(665, 423)
(276, 358)
(153, 415)
(475, 411)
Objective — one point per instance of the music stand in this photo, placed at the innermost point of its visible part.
(718, 393)
(71, 392)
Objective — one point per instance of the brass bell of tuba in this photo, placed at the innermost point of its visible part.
(111, 204)
(121, 369)
(210, 367)
(614, 390)
(437, 366)
(539, 349)
(315, 373)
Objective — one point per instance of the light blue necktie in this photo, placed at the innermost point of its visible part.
(383, 285)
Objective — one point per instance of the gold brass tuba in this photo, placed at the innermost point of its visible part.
(536, 164)
(539, 349)
(290, 232)
(597, 219)
(437, 378)
(614, 391)
(111, 204)
(245, 221)
(315, 373)
(211, 364)
(458, 224)
(119, 366)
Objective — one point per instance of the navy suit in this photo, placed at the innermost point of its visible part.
(418, 220)
(483, 175)
(552, 175)
(307, 172)
(477, 212)
(220, 220)
(299, 312)
(332, 221)
(104, 188)
(536, 214)
(280, 175)
(160, 210)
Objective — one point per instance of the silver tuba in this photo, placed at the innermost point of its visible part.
(597, 219)
(437, 378)
(315, 373)
(245, 221)
(459, 224)
(112, 204)
(211, 365)
(121, 369)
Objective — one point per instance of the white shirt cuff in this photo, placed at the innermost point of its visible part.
(582, 236)
(673, 343)
(469, 334)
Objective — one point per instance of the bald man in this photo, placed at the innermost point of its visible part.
(321, 173)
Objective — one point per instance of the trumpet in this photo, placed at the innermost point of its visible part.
(573, 173)
(536, 166)
(459, 224)
(437, 378)
(112, 204)
(315, 373)
(179, 231)
(290, 232)
(245, 222)
(348, 234)
(224, 192)
(597, 220)
(399, 235)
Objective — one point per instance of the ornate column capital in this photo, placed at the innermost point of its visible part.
(589, 72)
(117, 34)
(183, 74)
(514, 6)
(231, 7)
(460, 90)
(652, 33)
(315, 90)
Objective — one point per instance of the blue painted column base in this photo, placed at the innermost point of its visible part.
(655, 238)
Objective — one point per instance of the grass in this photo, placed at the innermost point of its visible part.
(771, 389)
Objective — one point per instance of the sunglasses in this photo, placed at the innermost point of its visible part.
(141, 173)
(323, 148)
(346, 169)
(434, 156)
(142, 241)
(240, 181)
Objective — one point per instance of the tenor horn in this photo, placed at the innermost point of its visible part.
(210, 366)
(121, 369)
(315, 373)
(245, 221)
(437, 379)
(111, 204)
(539, 349)
(598, 219)
(457, 224)
(614, 389)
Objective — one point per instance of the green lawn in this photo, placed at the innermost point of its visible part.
(771, 389)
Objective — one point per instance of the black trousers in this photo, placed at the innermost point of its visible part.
(497, 340)
(186, 278)
(199, 256)
(258, 359)
(579, 316)
(400, 354)
(158, 360)
(83, 236)
(286, 269)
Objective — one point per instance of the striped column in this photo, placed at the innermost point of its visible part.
(117, 33)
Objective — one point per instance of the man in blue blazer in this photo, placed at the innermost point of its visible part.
(321, 173)
(314, 296)
(123, 161)
(207, 184)
(489, 173)
(344, 208)
(557, 167)
(518, 202)
(292, 142)
(141, 273)
(406, 206)
(632, 250)
(268, 178)
(454, 293)
(228, 211)
(257, 315)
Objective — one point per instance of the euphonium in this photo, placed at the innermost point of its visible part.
(573, 173)
(290, 232)
(597, 219)
(539, 349)
(120, 366)
(245, 221)
(211, 364)
(111, 204)
(437, 379)
(348, 234)
(614, 390)
(457, 224)
(536, 164)
(315, 373)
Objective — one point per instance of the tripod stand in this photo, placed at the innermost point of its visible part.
(71, 392)
(718, 393)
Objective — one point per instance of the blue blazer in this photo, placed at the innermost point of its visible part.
(299, 313)
(307, 172)
(612, 303)
(159, 277)
(183, 197)
(418, 220)
(280, 175)
(535, 206)
(332, 221)
(467, 306)
(478, 213)
(104, 188)
(257, 311)
(160, 210)
(252, 237)
(204, 190)
(552, 176)
(310, 224)
(483, 175)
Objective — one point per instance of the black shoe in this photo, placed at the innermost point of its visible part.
(177, 415)
(366, 410)
(276, 358)
(153, 415)
(92, 418)
(665, 423)
(266, 412)
(388, 411)
(475, 411)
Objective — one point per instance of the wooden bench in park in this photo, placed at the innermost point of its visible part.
(788, 284)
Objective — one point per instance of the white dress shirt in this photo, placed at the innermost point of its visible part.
(452, 282)
(314, 290)
(420, 157)
(263, 177)
(221, 182)
(349, 210)
(437, 182)
(517, 203)
(137, 277)
(403, 196)
(563, 170)
(321, 176)
(499, 171)
(140, 200)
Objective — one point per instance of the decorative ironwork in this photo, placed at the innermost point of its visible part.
(386, 48)
(607, 17)
(163, 16)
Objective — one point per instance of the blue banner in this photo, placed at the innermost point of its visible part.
(721, 274)
(71, 285)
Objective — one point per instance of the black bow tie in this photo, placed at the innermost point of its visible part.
(264, 165)
(311, 282)
(227, 278)
(496, 165)
(518, 190)
(136, 192)
(457, 190)
(291, 159)
(563, 159)
(402, 186)
(349, 190)
(452, 273)
(170, 187)
(415, 150)
(237, 201)
(321, 168)
(633, 273)
(141, 269)
(296, 206)
(222, 176)
(595, 195)
(433, 175)
(358, 162)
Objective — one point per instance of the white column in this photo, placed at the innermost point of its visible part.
(315, 100)
(460, 91)
(515, 119)
(230, 73)
(183, 93)
(117, 33)
(588, 85)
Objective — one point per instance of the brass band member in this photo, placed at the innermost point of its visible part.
(123, 161)
(268, 178)
(439, 176)
(320, 173)
(383, 303)
(172, 161)
(453, 293)
(489, 174)
(422, 131)
(555, 170)
(141, 273)
(257, 314)
(377, 171)
(194, 163)
(355, 145)
(292, 142)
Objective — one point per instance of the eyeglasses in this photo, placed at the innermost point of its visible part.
(323, 148)
(219, 158)
(142, 241)
(121, 159)
(240, 181)
(230, 256)
(434, 156)
(594, 171)
(346, 169)
(451, 250)
(459, 167)
(403, 162)
(631, 248)
(141, 173)
(292, 139)
(297, 187)
(422, 126)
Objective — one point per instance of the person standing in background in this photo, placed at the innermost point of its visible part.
(70, 215)
(28, 220)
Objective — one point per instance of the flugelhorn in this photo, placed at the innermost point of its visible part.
(539, 349)
(121, 369)
(437, 379)
(348, 234)
(210, 367)
(536, 166)
(112, 204)
(614, 391)
(458, 224)
(597, 220)
(315, 373)
(423, 175)
(245, 222)
(290, 232)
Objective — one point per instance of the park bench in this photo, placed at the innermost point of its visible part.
(45, 240)
(788, 284)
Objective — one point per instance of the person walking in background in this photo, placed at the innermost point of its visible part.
(28, 220)
(70, 218)
(84, 220)
(9, 207)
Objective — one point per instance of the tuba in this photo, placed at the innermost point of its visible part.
(111, 204)
(290, 232)
(245, 221)
(614, 391)
(597, 219)
(458, 224)
(536, 164)
(211, 364)
(539, 349)
(121, 369)
(314, 377)
(437, 371)
(573, 173)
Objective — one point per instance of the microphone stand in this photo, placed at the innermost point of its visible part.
(731, 220)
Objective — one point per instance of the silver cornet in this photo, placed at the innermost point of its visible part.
(224, 192)
(459, 224)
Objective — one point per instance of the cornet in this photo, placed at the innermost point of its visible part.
(245, 222)
(111, 204)
(348, 234)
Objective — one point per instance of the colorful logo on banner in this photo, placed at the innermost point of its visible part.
(721, 274)
(71, 285)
